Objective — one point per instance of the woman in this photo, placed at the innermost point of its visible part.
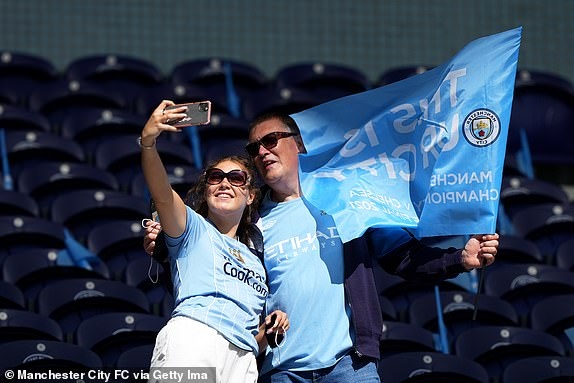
(219, 283)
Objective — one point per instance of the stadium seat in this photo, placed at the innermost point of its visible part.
(117, 243)
(47, 355)
(388, 309)
(20, 325)
(16, 203)
(71, 301)
(182, 178)
(400, 73)
(279, 100)
(11, 297)
(21, 73)
(21, 232)
(565, 255)
(547, 225)
(496, 347)
(58, 98)
(430, 367)
(148, 276)
(326, 81)
(48, 180)
(458, 308)
(540, 369)
(29, 148)
(31, 270)
(555, 316)
(82, 210)
(124, 75)
(110, 334)
(19, 118)
(135, 358)
(523, 285)
(399, 337)
(513, 249)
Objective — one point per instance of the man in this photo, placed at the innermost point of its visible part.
(326, 287)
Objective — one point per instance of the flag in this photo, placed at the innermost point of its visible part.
(424, 153)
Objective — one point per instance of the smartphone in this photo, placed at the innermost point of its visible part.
(198, 113)
(153, 211)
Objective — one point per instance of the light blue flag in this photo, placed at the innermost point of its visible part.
(424, 153)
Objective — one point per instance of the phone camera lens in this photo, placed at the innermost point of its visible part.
(203, 107)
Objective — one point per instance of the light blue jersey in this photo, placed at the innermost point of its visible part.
(304, 262)
(217, 281)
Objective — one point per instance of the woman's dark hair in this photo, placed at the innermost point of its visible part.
(195, 197)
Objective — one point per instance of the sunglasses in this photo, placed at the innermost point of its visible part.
(215, 176)
(268, 141)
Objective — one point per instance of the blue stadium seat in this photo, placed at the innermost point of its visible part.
(523, 285)
(496, 347)
(20, 325)
(540, 369)
(117, 243)
(182, 178)
(326, 81)
(430, 367)
(82, 210)
(388, 309)
(48, 180)
(513, 249)
(71, 301)
(565, 255)
(11, 297)
(31, 270)
(22, 232)
(16, 203)
(19, 118)
(21, 73)
(399, 337)
(279, 100)
(458, 308)
(45, 355)
(555, 316)
(110, 334)
(138, 357)
(148, 276)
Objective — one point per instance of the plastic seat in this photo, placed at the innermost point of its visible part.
(280, 100)
(16, 203)
(47, 180)
(18, 118)
(517, 193)
(388, 309)
(540, 369)
(21, 325)
(90, 126)
(82, 210)
(513, 249)
(399, 337)
(457, 312)
(71, 301)
(44, 355)
(555, 316)
(31, 270)
(181, 178)
(21, 232)
(136, 357)
(29, 148)
(547, 225)
(400, 73)
(20, 73)
(58, 98)
(121, 156)
(430, 367)
(565, 255)
(496, 347)
(326, 81)
(148, 276)
(110, 334)
(11, 297)
(523, 285)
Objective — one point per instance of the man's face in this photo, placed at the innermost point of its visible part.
(278, 165)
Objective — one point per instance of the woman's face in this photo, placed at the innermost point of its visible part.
(226, 193)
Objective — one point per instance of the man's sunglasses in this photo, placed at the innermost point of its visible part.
(215, 176)
(268, 141)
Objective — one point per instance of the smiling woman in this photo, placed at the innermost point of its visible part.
(219, 281)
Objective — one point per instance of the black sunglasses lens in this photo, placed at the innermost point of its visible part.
(269, 141)
(252, 148)
(237, 178)
(214, 177)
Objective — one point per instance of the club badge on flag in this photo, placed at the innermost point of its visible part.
(424, 153)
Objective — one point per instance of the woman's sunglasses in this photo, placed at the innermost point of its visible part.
(215, 176)
(268, 141)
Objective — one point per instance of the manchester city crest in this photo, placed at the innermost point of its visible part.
(481, 127)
